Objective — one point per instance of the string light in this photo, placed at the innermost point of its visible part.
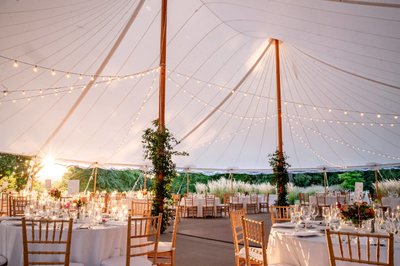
(35, 69)
(193, 96)
(68, 88)
(68, 74)
(352, 146)
(272, 99)
(308, 146)
(332, 121)
(53, 72)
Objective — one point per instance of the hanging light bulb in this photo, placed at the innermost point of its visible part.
(68, 75)
(80, 77)
(53, 72)
(35, 69)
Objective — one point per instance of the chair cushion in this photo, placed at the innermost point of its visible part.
(121, 261)
(164, 246)
(3, 260)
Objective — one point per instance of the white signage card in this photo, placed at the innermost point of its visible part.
(358, 192)
(73, 187)
(48, 184)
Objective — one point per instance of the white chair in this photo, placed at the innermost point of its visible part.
(142, 239)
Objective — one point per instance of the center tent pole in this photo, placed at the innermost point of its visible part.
(278, 98)
(161, 106)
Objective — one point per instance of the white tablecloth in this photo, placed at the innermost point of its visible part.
(88, 246)
(308, 251)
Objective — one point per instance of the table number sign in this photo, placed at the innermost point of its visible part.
(358, 192)
(73, 187)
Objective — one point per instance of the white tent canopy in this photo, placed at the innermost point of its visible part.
(340, 79)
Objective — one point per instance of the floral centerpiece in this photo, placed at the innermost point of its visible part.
(357, 212)
(55, 193)
(79, 202)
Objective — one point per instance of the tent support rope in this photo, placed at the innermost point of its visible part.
(96, 75)
(230, 94)
(348, 72)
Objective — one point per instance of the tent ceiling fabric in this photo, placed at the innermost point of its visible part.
(340, 79)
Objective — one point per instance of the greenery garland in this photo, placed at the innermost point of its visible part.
(158, 147)
(281, 176)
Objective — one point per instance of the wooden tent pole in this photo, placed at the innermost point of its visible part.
(161, 99)
(325, 180)
(278, 99)
(378, 196)
(187, 183)
(163, 58)
(231, 179)
(95, 178)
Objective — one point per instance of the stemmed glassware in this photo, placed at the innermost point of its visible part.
(326, 213)
(314, 211)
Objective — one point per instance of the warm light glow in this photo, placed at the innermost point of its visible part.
(51, 170)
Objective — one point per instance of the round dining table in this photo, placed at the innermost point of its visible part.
(303, 248)
(88, 245)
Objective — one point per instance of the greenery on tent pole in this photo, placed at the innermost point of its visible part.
(158, 147)
(280, 177)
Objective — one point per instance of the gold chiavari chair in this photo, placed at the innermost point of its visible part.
(366, 248)
(280, 213)
(18, 205)
(235, 217)
(235, 203)
(209, 207)
(254, 235)
(190, 208)
(252, 206)
(142, 240)
(255, 244)
(47, 242)
(264, 205)
(176, 201)
(4, 204)
(166, 250)
(141, 207)
(304, 199)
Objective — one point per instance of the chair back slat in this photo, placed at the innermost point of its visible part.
(281, 213)
(235, 217)
(146, 229)
(254, 242)
(141, 207)
(18, 205)
(349, 247)
(49, 242)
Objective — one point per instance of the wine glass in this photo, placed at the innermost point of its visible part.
(326, 213)
(314, 211)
